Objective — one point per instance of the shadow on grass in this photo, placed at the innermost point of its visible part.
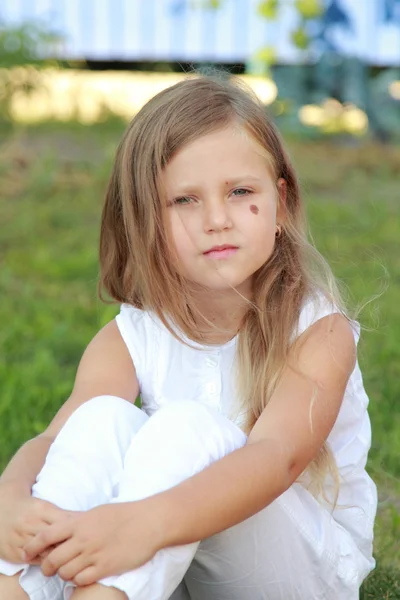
(382, 584)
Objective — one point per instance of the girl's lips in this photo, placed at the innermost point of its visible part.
(223, 252)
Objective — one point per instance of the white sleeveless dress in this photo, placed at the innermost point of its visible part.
(109, 451)
(168, 370)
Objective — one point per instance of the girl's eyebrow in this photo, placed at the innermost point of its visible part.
(236, 180)
(187, 188)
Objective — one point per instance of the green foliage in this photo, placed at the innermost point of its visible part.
(213, 3)
(309, 9)
(268, 9)
(53, 182)
(300, 38)
(28, 45)
(207, 4)
(306, 10)
(266, 55)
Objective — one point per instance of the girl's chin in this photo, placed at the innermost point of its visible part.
(222, 285)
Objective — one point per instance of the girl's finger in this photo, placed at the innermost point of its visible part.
(32, 529)
(51, 535)
(70, 570)
(54, 514)
(35, 562)
(60, 557)
(87, 576)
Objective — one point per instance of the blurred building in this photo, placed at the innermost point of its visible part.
(193, 31)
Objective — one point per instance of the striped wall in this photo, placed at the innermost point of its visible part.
(180, 30)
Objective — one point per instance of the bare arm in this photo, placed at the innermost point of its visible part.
(280, 446)
(105, 368)
(282, 443)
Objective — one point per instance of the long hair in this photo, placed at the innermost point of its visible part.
(135, 253)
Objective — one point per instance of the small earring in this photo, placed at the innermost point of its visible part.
(278, 230)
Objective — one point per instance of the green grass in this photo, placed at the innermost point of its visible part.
(52, 183)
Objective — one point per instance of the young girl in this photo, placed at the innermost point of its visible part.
(243, 475)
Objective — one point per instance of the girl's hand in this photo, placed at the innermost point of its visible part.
(21, 518)
(106, 540)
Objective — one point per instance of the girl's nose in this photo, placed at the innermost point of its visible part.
(216, 217)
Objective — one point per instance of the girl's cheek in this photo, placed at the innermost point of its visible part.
(254, 209)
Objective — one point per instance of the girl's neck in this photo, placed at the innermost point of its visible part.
(224, 311)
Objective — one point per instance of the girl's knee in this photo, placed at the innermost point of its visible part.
(204, 422)
(10, 588)
(107, 411)
(98, 592)
(108, 406)
(188, 412)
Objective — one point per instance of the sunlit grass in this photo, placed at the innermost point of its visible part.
(53, 180)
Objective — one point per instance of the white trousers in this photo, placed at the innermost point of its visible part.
(110, 451)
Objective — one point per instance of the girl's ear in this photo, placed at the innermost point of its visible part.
(281, 208)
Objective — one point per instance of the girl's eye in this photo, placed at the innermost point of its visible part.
(241, 192)
(182, 200)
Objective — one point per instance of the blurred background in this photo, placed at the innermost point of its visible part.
(73, 73)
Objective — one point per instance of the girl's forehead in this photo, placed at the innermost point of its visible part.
(229, 146)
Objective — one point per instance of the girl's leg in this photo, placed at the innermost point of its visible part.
(101, 592)
(98, 592)
(291, 550)
(86, 461)
(181, 439)
(10, 588)
(82, 470)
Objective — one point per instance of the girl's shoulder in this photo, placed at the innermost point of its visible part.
(140, 330)
(133, 320)
(316, 307)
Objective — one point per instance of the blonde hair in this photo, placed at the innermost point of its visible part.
(135, 255)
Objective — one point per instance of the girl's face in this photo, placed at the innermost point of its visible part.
(222, 209)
